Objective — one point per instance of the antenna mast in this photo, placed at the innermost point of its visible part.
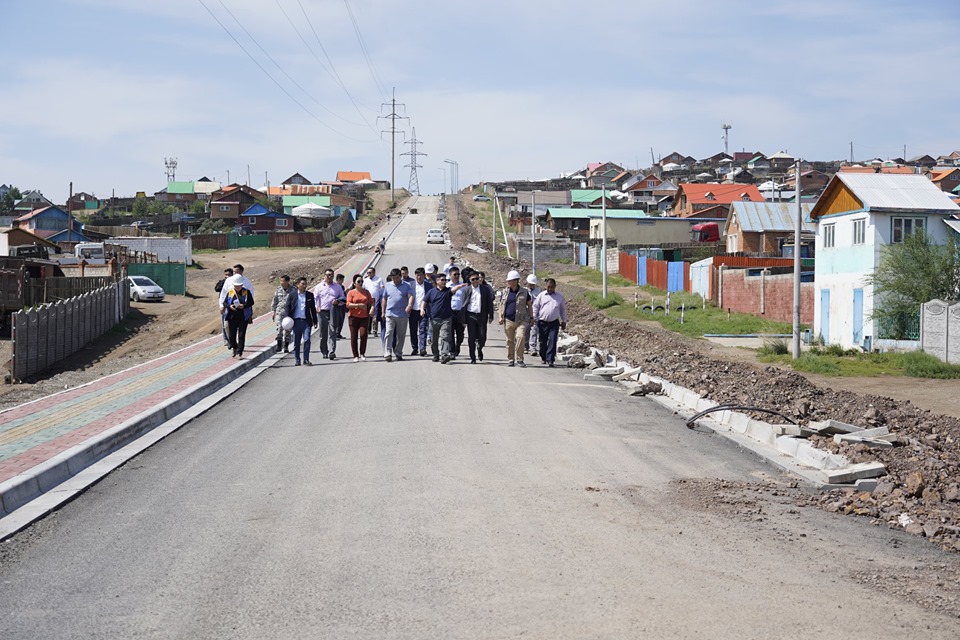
(726, 126)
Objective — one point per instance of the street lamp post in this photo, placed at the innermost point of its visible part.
(797, 231)
(454, 178)
(533, 232)
(444, 188)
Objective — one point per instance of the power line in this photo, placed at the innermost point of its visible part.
(335, 74)
(274, 80)
(414, 185)
(282, 70)
(366, 53)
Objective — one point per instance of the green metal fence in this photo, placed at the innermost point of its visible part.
(172, 276)
(903, 327)
(236, 241)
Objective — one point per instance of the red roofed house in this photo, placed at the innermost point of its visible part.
(702, 200)
(229, 202)
(352, 176)
(946, 180)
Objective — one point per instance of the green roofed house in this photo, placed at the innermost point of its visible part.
(576, 222)
(588, 198)
(292, 202)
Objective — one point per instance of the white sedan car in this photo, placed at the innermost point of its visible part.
(143, 288)
(435, 236)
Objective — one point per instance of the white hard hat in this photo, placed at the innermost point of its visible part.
(428, 268)
(513, 275)
(532, 279)
(287, 323)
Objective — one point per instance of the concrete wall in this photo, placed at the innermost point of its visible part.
(546, 249)
(167, 249)
(768, 296)
(940, 330)
(51, 332)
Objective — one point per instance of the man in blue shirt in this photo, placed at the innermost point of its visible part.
(436, 307)
(396, 306)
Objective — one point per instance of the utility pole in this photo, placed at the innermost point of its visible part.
(851, 153)
(171, 165)
(797, 228)
(414, 185)
(726, 126)
(603, 252)
(393, 117)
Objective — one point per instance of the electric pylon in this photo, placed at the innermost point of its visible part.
(414, 186)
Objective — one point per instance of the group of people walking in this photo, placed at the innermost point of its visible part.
(436, 310)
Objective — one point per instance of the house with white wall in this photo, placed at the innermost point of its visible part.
(857, 216)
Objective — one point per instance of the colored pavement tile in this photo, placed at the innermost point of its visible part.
(32, 433)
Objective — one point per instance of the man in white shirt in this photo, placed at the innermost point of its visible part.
(478, 302)
(236, 278)
(450, 265)
(418, 323)
(374, 285)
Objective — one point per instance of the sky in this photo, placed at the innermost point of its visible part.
(100, 92)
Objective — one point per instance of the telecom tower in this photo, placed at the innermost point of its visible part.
(726, 126)
(414, 186)
(171, 164)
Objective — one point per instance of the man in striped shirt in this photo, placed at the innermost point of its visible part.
(550, 312)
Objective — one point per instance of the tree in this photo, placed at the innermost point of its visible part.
(198, 206)
(911, 273)
(9, 201)
(139, 207)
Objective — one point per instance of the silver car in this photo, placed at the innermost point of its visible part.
(143, 288)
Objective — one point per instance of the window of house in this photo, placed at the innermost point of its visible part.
(903, 227)
(224, 207)
(651, 183)
(179, 196)
(828, 235)
(251, 221)
(859, 231)
(281, 222)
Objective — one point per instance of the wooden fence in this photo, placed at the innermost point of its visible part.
(47, 334)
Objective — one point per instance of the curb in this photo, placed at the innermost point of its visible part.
(29, 485)
(770, 442)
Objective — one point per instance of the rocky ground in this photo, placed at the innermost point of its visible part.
(921, 492)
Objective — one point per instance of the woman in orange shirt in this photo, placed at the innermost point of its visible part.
(359, 303)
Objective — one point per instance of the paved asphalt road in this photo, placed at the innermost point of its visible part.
(417, 500)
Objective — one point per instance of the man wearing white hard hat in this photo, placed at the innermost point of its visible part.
(515, 313)
(533, 338)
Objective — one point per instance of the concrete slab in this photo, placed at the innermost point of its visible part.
(855, 472)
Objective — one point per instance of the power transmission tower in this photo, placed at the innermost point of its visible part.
(171, 165)
(726, 126)
(414, 185)
(393, 117)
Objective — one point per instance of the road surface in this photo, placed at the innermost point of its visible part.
(419, 500)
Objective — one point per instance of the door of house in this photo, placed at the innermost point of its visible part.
(857, 316)
(825, 315)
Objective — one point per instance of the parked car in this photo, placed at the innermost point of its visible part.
(435, 236)
(141, 224)
(143, 288)
(481, 198)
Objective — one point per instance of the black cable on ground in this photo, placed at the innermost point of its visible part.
(731, 407)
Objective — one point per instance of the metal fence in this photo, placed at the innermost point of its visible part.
(49, 333)
(61, 288)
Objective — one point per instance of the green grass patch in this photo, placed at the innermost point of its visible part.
(851, 364)
(596, 299)
(697, 321)
(594, 276)
(919, 364)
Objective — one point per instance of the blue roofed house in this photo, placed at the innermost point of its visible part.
(52, 223)
(262, 220)
(856, 217)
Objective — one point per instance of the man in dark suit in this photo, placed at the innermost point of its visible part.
(478, 303)
(303, 309)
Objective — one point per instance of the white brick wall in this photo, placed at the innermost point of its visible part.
(167, 249)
